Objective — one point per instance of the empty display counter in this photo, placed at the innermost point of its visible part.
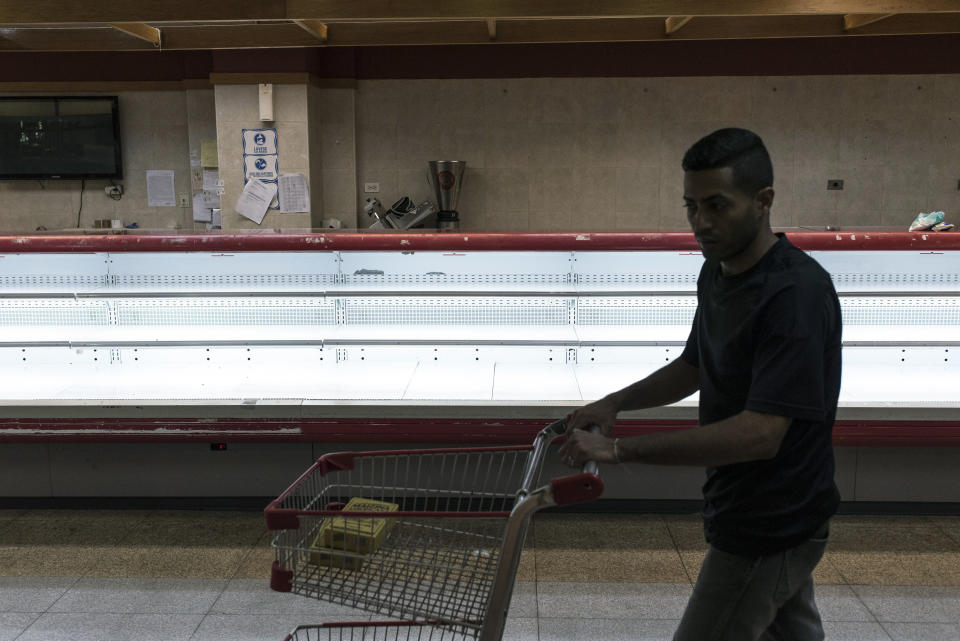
(426, 338)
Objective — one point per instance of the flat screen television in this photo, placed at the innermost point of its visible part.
(68, 137)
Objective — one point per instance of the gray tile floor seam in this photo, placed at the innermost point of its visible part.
(567, 629)
(54, 626)
(923, 631)
(140, 596)
(841, 603)
(613, 600)
(911, 604)
(33, 594)
(254, 596)
(13, 624)
(854, 631)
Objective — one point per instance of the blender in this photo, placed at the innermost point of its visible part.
(446, 176)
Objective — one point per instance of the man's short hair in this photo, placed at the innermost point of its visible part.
(740, 149)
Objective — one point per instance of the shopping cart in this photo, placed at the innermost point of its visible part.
(444, 554)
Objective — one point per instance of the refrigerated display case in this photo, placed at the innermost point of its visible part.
(381, 327)
(430, 338)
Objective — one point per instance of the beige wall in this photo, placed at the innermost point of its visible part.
(333, 123)
(604, 153)
(543, 154)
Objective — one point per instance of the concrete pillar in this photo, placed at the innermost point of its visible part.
(238, 108)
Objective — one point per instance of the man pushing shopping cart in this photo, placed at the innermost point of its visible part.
(764, 352)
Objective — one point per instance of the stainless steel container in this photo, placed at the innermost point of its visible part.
(446, 176)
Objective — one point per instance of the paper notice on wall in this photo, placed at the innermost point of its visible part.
(210, 178)
(210, 198)
(208, 153)
(204, 203)
(201, 213)
(293, 194)
(255, 200)
(160, 189)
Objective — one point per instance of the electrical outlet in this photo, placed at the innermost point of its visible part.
(835, 184)
(184, 200)
(371, 188)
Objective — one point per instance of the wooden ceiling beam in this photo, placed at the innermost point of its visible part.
(857, 20)
(139, 30)
(475, 32)
(519, 9)
(71, 11)
(316, 28)
(675, 24)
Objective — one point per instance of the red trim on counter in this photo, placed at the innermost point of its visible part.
(925, 242)
(519, 432)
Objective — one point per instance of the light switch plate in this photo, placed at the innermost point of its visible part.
(371, 188)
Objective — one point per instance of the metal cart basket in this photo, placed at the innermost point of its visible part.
(430, 536)
(374, 631)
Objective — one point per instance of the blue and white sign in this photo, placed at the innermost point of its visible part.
(259, 142)
(260, 159)
(265, 168)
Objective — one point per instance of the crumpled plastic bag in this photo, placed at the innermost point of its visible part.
(924, 222)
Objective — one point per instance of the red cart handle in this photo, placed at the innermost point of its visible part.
(576, 488)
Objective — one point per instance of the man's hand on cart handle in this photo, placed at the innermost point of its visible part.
(583, 446)
(602, 414)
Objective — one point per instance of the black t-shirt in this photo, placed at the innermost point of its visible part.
(769, 340)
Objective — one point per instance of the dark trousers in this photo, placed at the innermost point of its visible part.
(766, 598)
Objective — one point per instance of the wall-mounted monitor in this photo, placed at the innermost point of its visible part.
(68, 137)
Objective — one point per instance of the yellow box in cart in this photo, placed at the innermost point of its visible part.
(341, 536)
(320, 555)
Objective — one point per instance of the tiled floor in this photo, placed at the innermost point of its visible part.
(202, 576)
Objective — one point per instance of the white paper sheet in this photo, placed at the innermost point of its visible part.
(201, 213)
(160, 188)
(210, 178)
(293, 194)
(210, 198)
(255, 199)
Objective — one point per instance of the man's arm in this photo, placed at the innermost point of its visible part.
(747, 436)
(667, 385)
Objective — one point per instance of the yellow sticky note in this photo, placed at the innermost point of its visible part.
(208, 153)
